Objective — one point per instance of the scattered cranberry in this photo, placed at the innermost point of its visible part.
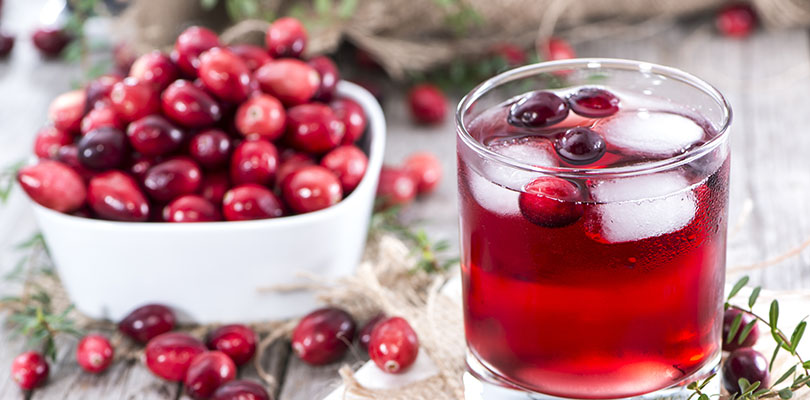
(102, 149)
(66, 111)
(557, 49)
(124, 56)
(250, 201)
(210, 148)
(314, 128)
(289, 80)
(550, 202)
(263, 116)
(50, 41)
(146, 322)
(48, 141)
(155, 68)
(253, 56)
(728, 319)
(99, 89)
(94, 353)
(169, 355)
(427, 104)
(744, 363)
(254, 161)
(538, 109)
(154, 136)
(214, 186)
(311, 188)
(69, 155)
(191, 208)
(236, 341)
(240, 390)
(580, 146)
(348, 163)
(291, 164)
(29, 370)
(6, 44)
(594, 103)
(286, 37)
(323, 336)
(189, 105)
(396, 187)
(353, 117)
(364, 337)
(114, 195)
(511, 54)
(53, 185)
(172, 178)
(736, 20)
(329, 74)
(207, 372)
(224, 74)
(393, 345)
(133, 99)
(99, 117)
(425, 169)
(189, 45)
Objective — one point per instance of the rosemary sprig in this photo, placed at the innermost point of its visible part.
(432, 254)
(8, 176)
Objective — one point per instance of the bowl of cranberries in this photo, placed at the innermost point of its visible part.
(205, 175)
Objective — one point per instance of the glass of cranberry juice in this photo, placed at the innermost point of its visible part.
(593, 210)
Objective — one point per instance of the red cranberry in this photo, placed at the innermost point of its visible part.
(348, 163)
(253, 56)
(123, 56)
(513, 55)
(155, 68)
(538, 109)
(728, 319)
(393, 345)
(53, 185)
(250, 201)
(224, 74)
(191, 208)
(580, 146)
(557, 49)
(154, 136)
(427, 104)
(103, 148)
(329, 74)
(286, 37)
(550, 202)
(314, 128)
(99, 117)
(214, 186)
(323, 336)
(210, 148)
(291, 81)
(48, 141)
(311, 188)
(66, 111)
(6, 44)
(396, 187)
(189, 105)
(133, 99)
(139, 167)
(236, 341)
(594, 103)
(189, 45)
(29, 370)
(254, 161)
(364, 337)
(94, 353)
(114, 195)
(292, 164)
(353, 117)
(169, 355)
(146, 322)
(50, 41)
(99, 89)
(69, 155)
(262, 116)
(744, 363)
(172, 178)
(207, 372)
(240, 390)
(425, 169)
(736, 20)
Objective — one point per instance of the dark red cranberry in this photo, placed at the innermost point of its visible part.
(236, 341)
(146, 322)
(250, 201)
(427, 104)
(550, 202)
(396, 187)
(214, 186)
(99, 89)
(94, 353)
(311, 188)
(155, 68)
(240, 390)
(262, 116)
(594, 103)
(329, 74)
(67, 109)
(254, 161)
(314, 128)
(99, 117)
(210, 148)
(557, 49)
(207, 372)
(291, 164)
(6, 44)
(744, 363)
(69, 155)
(425, 169)
(728, 319)
(172, 178)
(114, 195)
(169, 355)
(139, 167)
(364, 337)
(364, 59)
(189, 105)
(393, 345)
(48, 141)
(289, 80)
(154, 136)
(133, 99)
(253, 56)
(513, 55)
(224, 74)
(189, 45)
(286, 37)
(580, 146)
(102, 149)
(736, 20)
(191, 208)
(29, 370)
(50, 41)
(348, 163)
(53, 185)
(538, 109)
(323, 336)
(353, 117)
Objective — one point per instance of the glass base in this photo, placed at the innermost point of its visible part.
(481, 384)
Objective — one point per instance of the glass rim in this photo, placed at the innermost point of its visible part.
(592, 63)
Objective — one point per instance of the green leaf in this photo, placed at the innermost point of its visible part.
(773, 314)
(703, 396)
(773, 357)
(746, 330)
(806, 365)
(692, 385)
(753, 298)
(707, 380)
(208, 5)
(798, 332)
(760, 392)
(735, 326)
(784, 376)
(785, 393)
(743, 383)
(737, 286)
(750, 389)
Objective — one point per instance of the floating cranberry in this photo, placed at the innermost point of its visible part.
(189, 105)
(311, 188)
(94, 353)
(207, 372)
(425, 169)
(323, 336)
(210, 148)
(348, 163)
(253, 56)
(736, 20)
(191, 208)
(50, 41)
(353, 117)
(393, 345)
(48, 141)
(172, 178)
(189, 45)
(289, 80)
(237, 341)
(594, 103)
(114, 195)
(224, 74)
(314, 128)
(744, 363)
(364, 337)
(53, 185)
(286, 37)
(396, 187)
(146, 322)
(427, 104)
(550, 202)
(291, 164)
(329, 74)
(99, 117)
(250, 201)
(29, 370)
(728, 319)
(69, 155)
(214, 186)
(6, 44)
(240, 390)
(557, 49)
(99, 89)
(538, 109)
(133, 99)
(67, 109)
(155, 68)
(169, 355)
(580, 146)
(263, 116)
(154, 136)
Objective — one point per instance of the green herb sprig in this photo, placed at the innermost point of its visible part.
(433, 257)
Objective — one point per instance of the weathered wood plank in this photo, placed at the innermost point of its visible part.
(275, 362)
(305, 382)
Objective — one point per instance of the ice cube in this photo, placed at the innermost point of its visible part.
(496, 199)
(641, 207)
(650, 133)
(534, 150)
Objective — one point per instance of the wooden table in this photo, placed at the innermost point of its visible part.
(766, 78)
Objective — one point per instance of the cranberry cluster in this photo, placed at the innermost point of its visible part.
(206, 133)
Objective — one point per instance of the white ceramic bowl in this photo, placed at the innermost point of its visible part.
(211, 272)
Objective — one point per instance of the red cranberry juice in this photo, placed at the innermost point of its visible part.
(597, 288)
